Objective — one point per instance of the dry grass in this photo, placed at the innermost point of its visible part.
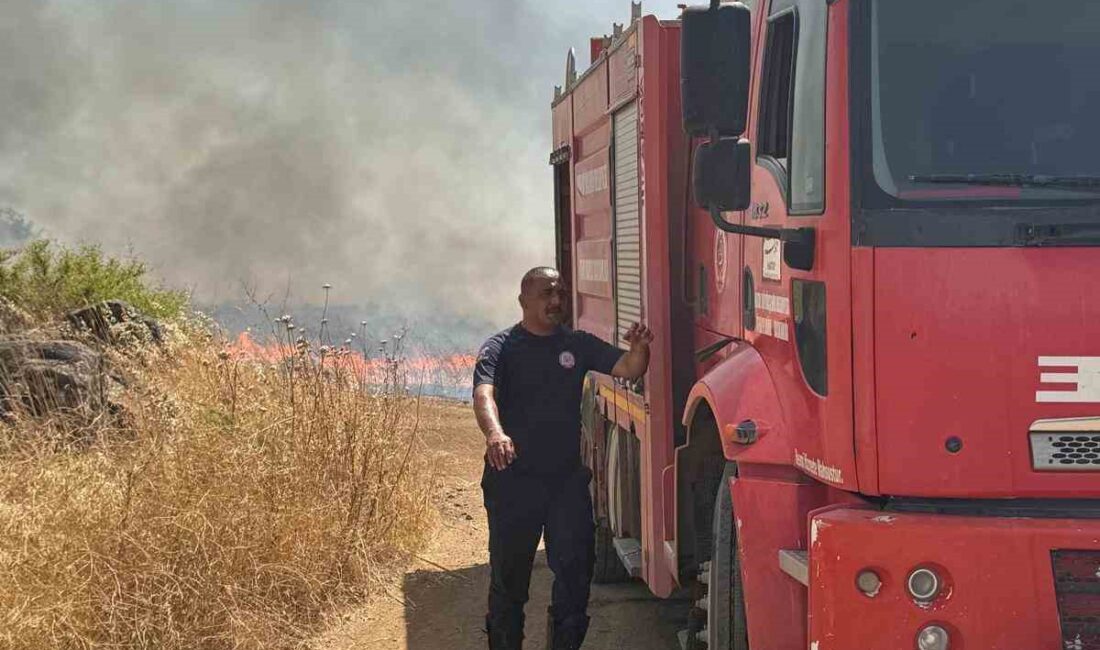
(233, 506)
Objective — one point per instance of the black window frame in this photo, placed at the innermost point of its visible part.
(806, 106)
(768, 160)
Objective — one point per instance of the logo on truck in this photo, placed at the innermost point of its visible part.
(721, 255)
(1077, 382)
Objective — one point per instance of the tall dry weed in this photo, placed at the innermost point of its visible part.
(232, 506)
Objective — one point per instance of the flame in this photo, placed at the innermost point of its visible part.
(453, 370)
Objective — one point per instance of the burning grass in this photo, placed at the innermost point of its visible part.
(232, 505)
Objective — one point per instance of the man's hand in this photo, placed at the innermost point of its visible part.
(499, 450)
(638, 336)
(634, 363)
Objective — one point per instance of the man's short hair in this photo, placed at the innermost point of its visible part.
(537, 273)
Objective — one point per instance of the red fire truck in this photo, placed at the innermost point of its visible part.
(865, 233)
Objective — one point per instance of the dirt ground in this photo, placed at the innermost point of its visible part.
(439, 603)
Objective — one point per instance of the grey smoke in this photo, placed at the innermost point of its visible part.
(394, 148)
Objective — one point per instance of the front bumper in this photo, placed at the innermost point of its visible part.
(999, 586)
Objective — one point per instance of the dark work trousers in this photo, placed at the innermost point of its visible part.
(521, 509)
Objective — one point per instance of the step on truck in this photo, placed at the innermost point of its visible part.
(865, 233)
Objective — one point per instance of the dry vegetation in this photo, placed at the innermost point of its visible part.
(231, 503)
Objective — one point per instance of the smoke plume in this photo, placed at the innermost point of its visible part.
(396, 149)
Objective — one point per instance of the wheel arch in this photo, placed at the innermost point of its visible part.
(737, 389)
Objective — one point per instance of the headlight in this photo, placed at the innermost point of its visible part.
(923, 584)
(932, 637)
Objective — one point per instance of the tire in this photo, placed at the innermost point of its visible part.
(603, 444)
(608, 568)
(726, 622)
(704, 493)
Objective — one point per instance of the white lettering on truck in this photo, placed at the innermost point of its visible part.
(593, 270)
(592, 181)
(1084, 377)
(817, 468)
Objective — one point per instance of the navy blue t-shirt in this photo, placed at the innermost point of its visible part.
(538, 381)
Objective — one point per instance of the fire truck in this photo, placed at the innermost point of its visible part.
(865, 233)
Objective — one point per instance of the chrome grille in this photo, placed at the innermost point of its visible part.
(1077, 588)
(1069, 451)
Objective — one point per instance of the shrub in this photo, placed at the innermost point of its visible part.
(48, 280)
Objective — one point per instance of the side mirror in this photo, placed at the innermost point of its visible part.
(714, 68)
(723, 174)
(722, 182)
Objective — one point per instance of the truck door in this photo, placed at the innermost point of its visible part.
(799, 319)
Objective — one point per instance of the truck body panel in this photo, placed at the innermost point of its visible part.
(630, 159)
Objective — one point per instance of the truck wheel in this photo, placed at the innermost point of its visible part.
(725, 603)
(704, 492)
(609, 568)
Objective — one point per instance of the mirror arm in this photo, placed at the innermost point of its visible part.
(796, 235)
(800, 243)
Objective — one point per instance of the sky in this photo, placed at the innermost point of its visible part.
(397, 150)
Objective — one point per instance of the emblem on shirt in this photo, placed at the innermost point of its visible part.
(567, 360)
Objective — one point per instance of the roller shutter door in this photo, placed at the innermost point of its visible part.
(628, 224)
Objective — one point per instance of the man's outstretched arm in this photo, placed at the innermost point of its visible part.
(499, 450)
(635, 362)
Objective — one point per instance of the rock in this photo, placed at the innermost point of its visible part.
(47, 377)
(116, 322)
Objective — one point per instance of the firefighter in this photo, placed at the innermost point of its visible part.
(528, 382)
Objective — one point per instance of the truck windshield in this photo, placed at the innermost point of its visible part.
(985, 100)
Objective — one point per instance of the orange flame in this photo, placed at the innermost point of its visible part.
(454, 370)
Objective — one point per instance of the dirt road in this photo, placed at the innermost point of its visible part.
(439, 604)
